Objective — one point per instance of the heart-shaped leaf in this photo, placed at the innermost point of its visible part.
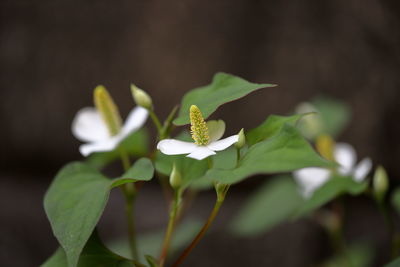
(224, 88)
(76, 199)
(94, 254)
(285, 152)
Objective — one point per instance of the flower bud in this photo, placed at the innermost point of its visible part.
(141, 97)
(175, 178)
(242, 139)
(380, 183)
(107, 109)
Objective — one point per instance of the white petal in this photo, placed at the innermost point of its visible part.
(223, 143)
(88, 126)
(99, 146)
(201, 152)
(345, 155)
(136, 118)
(310, 179)
(362, 169)
(175, 147)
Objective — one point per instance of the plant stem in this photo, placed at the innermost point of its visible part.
(130, 196)
(129, 212)
(156, 122)
(171, 227)
(203, 230)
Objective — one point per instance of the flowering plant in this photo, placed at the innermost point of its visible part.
(79, 193)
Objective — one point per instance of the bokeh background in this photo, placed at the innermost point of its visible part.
(53, 53)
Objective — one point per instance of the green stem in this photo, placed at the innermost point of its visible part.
(171, 227)
(156, 122)
(130, 196)
(199, 236)
(129, 212)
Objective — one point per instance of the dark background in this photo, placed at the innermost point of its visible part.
(53, 53)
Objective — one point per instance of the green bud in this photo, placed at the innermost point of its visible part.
(242, 139)
(107, 109)
(175, 178)
(380, 183)
(141, 97)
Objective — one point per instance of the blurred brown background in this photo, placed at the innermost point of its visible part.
(53, 53)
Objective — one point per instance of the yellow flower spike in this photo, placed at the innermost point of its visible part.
(325, 146)
(198, 128)
(108, 110)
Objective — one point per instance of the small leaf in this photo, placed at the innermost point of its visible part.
(260, 213)
(335, 186)
(285, 152)
(142, 170)
(136, 145)
(94, 254)
(270, 127)
(224, 88)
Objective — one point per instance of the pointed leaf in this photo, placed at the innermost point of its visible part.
(271, 126)
(224, 88)
(285, 152)
(94, 254)
(142, 170)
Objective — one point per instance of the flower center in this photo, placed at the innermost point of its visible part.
(108, 110)
(198, 128)
(325, 146)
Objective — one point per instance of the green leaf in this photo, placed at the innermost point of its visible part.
(75, 201)
(334, 114)
(142, 170)
(136, 145)
(285, 152)
(355, 255)
(94, 254)
(224, 88)
(270, 127)
(260, 213)
(395, 263)
(396, 199)
(334, 187)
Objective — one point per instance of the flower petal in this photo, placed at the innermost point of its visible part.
(100, 146)
(310, 179)
(175, 147)
(88, 126)
(136, 118)
(216, 129)
(345, 155)
(201, 152)
(362, 169)
(223, 143)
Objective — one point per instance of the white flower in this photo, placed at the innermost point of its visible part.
(88, 126)
(310, 179)
(205, 135)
